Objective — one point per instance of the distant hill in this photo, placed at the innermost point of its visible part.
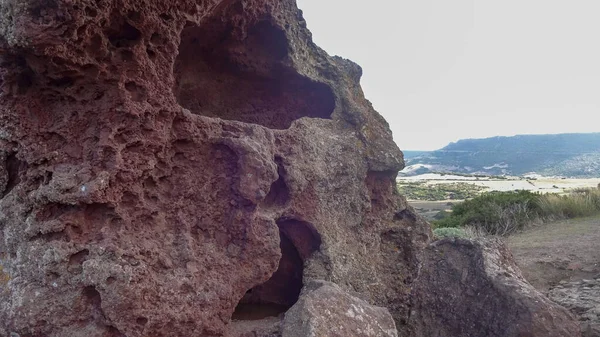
(567, 155)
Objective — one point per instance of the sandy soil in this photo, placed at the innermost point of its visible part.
(541, 184)
(566, 250)
(545, 185)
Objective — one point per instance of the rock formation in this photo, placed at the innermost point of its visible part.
(160, 158)
(470, 288)
(166, 166)
(582, 298)
(325, 310)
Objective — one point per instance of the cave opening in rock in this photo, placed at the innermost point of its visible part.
(222, 73)
(299, 240)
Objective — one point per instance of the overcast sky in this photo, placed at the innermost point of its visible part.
(441, 70)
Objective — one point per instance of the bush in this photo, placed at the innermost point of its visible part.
(449, 233)
(503, 213)
(441, 215)
(495, 213)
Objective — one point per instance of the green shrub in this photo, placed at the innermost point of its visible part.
(503, 213)
(442, 215)
(450, 221)
(449, 232)
(495, 213)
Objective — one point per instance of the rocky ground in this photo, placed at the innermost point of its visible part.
(562, 259)
(582, 298)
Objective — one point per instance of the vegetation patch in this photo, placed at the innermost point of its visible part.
(580, 202)
(503, 213)
(469, 175)
(441, 233)
(434, 192)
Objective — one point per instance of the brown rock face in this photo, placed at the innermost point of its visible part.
(163, 163)
(582, 298)
(168, 166)
(325, 310)
(475, 289)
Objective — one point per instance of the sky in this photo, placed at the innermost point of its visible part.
(441, 70)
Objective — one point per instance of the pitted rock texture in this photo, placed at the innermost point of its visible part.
(163, 163)
(582, 298)
(167, 167)
(468, 288)
(325, 310)
(266, 327)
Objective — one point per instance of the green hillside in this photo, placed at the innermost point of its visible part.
(569, 155)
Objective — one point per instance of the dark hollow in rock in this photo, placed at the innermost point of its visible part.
(78, 258)
(298, 241)
(122, 33)
(14, 168)
(220, 75)
(279, 194)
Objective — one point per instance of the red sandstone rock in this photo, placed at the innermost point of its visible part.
(159, 158)
(163, 163)
(325, 310)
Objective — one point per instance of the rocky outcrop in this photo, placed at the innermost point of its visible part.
(325, 310)
(468, 288)
(582, 298)
(168, 167)
(166, 162)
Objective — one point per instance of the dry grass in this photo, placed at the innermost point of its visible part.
(580, 202)
(504, 213)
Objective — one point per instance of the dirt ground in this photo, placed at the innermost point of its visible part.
(429, 209)
(566, 250)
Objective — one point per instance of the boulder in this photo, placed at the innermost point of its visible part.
(324, 309)
(468, 288)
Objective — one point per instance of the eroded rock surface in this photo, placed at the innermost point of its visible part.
(582, 298)
(168, 167)
(326, 310)
(163, 163)
(323, 309)
(470, 288)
